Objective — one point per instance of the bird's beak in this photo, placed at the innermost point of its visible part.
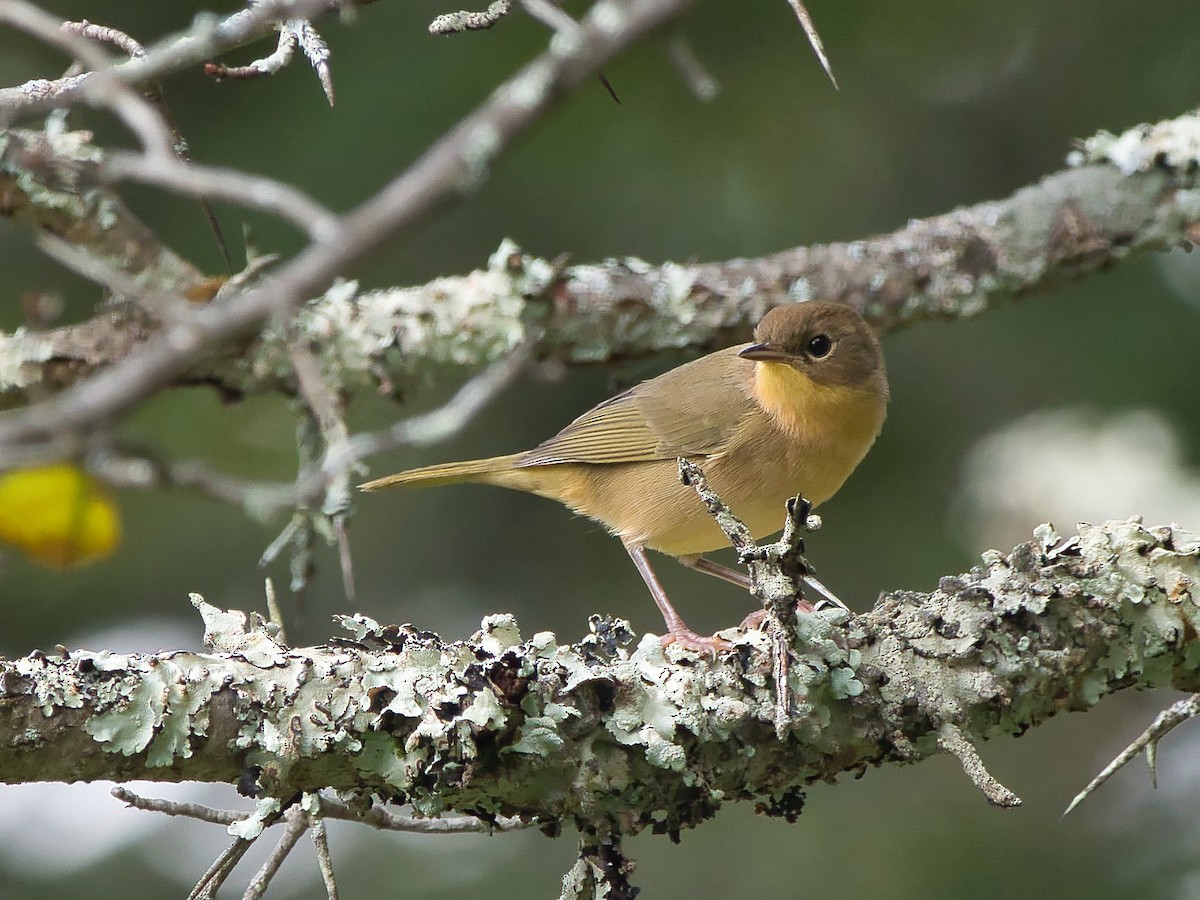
(763, 353)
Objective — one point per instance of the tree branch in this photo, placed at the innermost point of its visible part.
(604, 732)
(1122, 196)
(450, 168)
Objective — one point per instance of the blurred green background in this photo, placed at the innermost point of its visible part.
(941, 104)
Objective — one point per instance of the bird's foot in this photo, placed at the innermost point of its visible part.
(689, 640)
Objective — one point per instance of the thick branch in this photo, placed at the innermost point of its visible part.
(602, 732)
(1125, 196)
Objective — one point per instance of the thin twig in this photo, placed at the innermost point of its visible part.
(196, 811)
(216, 183)
(698, 79)
(292, 34)
(380, 818)
(210, 882)
(952, 740)
(194, 45)
(127, 464)
(139, 115)
(320, 839)
(293, 830)
(551, 15)
(466, 20)
(106, 35)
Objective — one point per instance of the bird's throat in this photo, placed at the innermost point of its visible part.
(801, 406)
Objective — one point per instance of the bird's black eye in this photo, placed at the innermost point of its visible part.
(818, 346)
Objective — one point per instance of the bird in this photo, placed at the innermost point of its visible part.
(792, 412)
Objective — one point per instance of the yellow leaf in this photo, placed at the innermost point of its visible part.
(58, 515)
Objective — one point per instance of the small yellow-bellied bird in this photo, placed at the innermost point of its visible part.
(791, 413)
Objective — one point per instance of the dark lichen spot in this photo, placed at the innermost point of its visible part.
(247, 783)
(505, 677)
(605, 693)
(380, 697)
(788, 806)
(976, 258)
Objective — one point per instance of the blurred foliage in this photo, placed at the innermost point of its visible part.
(58, 515)
(940, 105)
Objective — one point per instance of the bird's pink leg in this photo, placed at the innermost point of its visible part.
(677, 630)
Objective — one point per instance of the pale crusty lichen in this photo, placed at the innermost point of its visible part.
(360, 335)
(20, 354)
(616, 731)
(1173, 144)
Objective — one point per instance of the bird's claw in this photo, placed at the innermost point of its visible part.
(698, 643)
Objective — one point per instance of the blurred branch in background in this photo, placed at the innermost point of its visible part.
(1121, 197)
(452, 166)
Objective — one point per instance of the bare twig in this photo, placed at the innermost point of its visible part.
(449, 169)
(320, 839)
(465, 20)
(131, 465)
(106, 35)
(138, 114)
(698, 79)
(216, 874)
(295, 824)
(551, 15)
(215, 183)
(178, 808)
(134, 465)
(952, 740)
(203, 40)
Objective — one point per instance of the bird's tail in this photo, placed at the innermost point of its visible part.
(481, 471)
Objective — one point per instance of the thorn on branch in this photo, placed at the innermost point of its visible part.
(292, 34)
(1176, 714)
(952, 740)
(814, 39)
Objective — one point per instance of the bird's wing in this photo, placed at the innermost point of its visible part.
(692, 410)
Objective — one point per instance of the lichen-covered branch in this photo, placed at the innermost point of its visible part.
(606, 733)
(1122, 196)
